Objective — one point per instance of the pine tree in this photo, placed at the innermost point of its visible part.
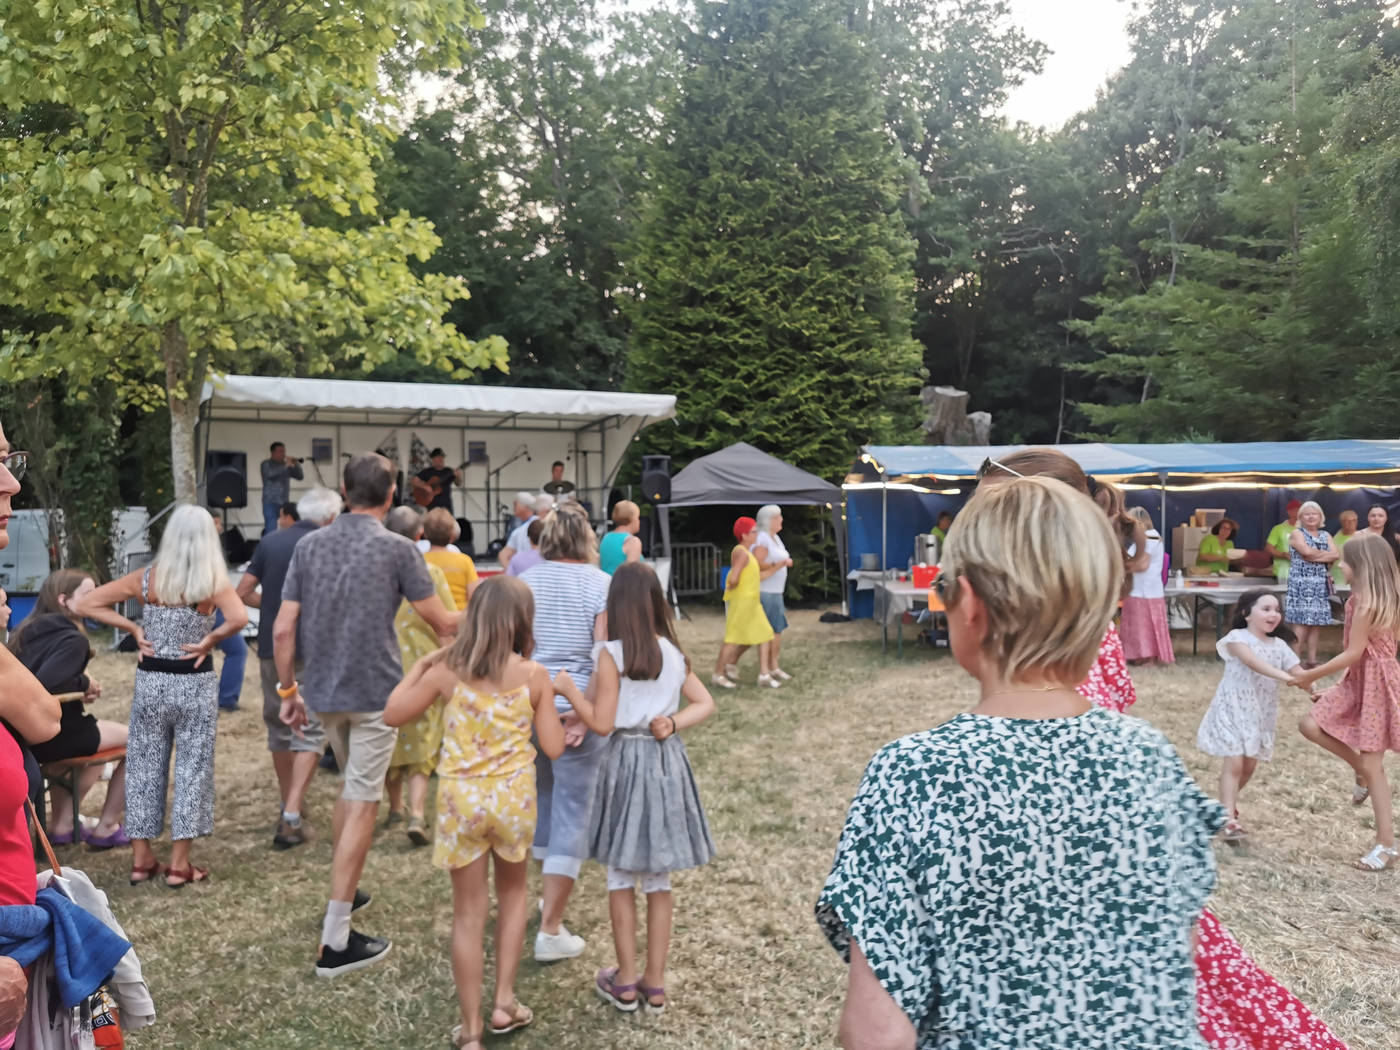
(773, 267)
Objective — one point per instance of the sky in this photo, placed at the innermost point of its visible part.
(1088, 41)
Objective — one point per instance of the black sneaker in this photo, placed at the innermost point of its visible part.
(359, 952)
(361, 900)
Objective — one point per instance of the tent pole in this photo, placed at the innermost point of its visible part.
(884, 554)
(1162, 479)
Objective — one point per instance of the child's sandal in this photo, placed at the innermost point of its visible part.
(1359, 794)
(1235, 831)
(648, 994)
(605, 984)
(1380, 858)
(462, 1041)
(520, 1015)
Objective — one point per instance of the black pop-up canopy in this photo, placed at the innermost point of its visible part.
(742, 474)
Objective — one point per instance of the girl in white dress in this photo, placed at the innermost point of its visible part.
(1243, 716)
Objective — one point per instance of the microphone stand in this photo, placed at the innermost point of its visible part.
(524, 450)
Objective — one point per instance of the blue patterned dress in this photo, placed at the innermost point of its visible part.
(1307, 602)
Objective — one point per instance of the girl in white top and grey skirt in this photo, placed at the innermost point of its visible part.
(646, 820)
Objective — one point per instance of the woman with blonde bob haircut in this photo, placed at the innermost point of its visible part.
(175, 704)
(1038, 826)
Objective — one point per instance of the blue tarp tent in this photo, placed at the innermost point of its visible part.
(896, 491)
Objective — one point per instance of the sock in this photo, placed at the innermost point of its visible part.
(291, 817)
(335, 930)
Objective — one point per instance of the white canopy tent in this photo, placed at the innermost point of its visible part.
(524, 430)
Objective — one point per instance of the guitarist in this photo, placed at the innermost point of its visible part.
(432, 486)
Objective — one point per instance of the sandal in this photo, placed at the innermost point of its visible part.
(1380, 858)
(461, 1040)
(140, 875)
(418, 832)
(1235, 831)
(186, 876)
(723, 682)
(649, 993)
(1359, 794)
(520, 1015)
(605, 984)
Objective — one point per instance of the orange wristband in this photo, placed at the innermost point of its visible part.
(288, 692)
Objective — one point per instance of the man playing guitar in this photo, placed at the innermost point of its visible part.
(432, 486)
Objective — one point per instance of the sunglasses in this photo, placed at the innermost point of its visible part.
(989, 464)
(16, 463)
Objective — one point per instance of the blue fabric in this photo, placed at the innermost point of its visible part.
(270, 512)
(235, 652)
(1243, 457)
(85, 952)
(610, 552)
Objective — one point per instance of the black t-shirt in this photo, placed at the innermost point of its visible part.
(445, 476)
(269, 566)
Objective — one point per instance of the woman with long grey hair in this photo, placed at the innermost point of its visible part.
(174, 706)
(773, 566)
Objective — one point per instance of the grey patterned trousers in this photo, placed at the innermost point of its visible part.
(179, 711)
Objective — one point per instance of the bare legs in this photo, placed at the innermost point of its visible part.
(775, 648)
(354, 831)
(1307, 638)
(1235, 773)
(470, 905)
(1369, 769)
(622, 909)
(730, 654)
(113, 734)
(555, 889)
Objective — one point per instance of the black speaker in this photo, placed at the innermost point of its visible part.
(656, 478)
(225, 478)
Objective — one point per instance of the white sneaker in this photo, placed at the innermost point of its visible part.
(769, 681)
(731, 671)
(781, 675)
(722, 682)
(555, 947)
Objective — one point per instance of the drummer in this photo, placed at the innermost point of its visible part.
(1214, 555)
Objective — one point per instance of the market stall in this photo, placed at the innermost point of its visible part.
(895, 492)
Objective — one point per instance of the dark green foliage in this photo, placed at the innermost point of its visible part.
(775, 274)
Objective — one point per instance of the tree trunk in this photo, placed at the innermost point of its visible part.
(183, 398)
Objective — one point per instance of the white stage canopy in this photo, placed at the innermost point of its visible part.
(524, 429)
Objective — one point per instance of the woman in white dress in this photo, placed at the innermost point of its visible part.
(1146, 636)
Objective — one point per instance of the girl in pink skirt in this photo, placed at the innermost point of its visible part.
(1358, 719)
(1144, 628)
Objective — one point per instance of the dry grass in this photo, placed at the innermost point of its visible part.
(230, 964)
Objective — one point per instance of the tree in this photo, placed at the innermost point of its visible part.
(773, 267)
(174, 225)
(1219, 320)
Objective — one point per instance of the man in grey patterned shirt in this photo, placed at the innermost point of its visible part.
(279, 470)
(343, 587)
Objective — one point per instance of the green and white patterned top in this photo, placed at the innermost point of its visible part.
(1029, 883)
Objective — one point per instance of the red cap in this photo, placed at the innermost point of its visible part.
(1293, 504)
(743, 527)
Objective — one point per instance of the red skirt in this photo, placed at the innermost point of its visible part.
(1144, 630)
(1240, 1007)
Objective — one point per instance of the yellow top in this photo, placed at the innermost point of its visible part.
(744, 619)
(459, 569)
(417, 744)
(486, 734)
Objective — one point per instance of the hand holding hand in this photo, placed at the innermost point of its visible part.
(662, 726)
(94, 690)
(574, 729)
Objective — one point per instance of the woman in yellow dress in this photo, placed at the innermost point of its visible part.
(745, 623)
(416, 752)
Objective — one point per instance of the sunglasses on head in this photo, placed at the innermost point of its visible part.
(989, 464)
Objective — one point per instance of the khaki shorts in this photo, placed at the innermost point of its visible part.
(280, 736)
(363, 746)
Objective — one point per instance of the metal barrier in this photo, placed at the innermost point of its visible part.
(694, 568)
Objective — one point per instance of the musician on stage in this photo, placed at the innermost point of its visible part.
(278, 471)
(434, 483)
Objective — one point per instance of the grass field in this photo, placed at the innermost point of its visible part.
(230, 964)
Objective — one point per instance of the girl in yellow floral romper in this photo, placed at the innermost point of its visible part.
(486, 784)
